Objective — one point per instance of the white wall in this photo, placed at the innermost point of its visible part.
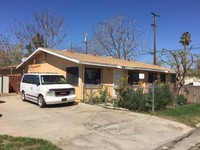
(4, 84)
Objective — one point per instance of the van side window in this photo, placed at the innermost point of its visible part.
(27, 79)
(33, 78)
(36, 80)
(30, 79)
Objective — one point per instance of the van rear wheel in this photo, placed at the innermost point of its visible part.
(41, 102)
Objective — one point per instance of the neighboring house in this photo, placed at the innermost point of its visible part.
(84, 70)
(9, 70)
(191, 80)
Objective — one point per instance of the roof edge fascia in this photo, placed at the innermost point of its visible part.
(49, 52)
(61, 56)
(146, 69)
(99, 64)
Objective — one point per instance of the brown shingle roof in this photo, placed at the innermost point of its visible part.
(109, 61)
(101, 61)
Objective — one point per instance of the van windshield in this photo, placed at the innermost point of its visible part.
(53, 79)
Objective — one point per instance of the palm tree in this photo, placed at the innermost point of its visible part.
(185, 39)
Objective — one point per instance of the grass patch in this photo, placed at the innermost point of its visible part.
(187, 114)
(22, 143)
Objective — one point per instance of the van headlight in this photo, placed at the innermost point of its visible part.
(50, 93)
(72, 91)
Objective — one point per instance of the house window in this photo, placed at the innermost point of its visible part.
(162, 78)
(173, 78)
(133, 78)
(92, 76)
(152, 77)
(72, 75)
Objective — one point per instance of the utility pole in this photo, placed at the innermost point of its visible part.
(154, 25)
(86, 43)
(70, 45)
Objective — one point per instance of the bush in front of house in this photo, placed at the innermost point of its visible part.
(102, 94)
(163, 96)
(181, 100)
(134, 99)
(140, 101)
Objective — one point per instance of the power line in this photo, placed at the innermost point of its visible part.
(160, 51)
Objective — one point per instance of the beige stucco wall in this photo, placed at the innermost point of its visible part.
(108, 79)
(49, 63)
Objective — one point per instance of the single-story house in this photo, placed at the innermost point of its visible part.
(85, 70)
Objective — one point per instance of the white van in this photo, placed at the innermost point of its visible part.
(46, 88)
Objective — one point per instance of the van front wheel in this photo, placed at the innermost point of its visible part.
(23, 96)
(41, 102)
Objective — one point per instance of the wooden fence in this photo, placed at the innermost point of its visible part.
(192, 93)
(14, 83)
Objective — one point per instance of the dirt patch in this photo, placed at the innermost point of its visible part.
(7, 94)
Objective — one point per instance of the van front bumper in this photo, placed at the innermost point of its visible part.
(59, 99)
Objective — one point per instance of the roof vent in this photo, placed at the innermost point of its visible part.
(70, 51)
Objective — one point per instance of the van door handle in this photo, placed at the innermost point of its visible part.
(31, 88)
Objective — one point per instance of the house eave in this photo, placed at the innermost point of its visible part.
(49, 52)
(61, 56)
(146, 69)
(100, 64)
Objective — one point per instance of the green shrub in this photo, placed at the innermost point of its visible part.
(140, 101)
(181, 100)
(135, 100)
(114, 102)
(163, 96)
(100, 97)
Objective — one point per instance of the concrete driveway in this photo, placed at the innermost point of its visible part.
(88, 127)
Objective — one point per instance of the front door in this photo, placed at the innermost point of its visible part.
(117, 78)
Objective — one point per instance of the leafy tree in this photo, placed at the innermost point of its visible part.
(181, 61)
(42, 28)
(118, 37)
(9, 54)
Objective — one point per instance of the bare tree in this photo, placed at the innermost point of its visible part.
(9, 54)
(46, 24)
(118, 37)
(195, 72)
(181, 61)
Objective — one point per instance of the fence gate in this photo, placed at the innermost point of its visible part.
(14, 83)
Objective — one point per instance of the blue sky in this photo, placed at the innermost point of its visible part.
(176, 17)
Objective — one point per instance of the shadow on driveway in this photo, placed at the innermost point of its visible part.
(2, 101)
(54, 105)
